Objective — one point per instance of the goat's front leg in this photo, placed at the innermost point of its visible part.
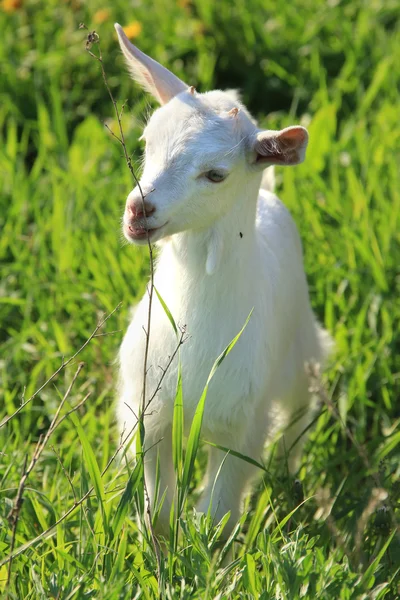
(298, 406)
(228, 477)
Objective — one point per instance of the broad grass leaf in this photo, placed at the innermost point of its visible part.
(92, 467)
(126, 499)
(195, 429)
(119, 565)
(368, 577)
(167, 311)
(177, 427)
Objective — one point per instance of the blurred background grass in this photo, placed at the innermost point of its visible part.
(332, 66)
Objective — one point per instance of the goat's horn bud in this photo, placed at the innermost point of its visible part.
(192, 90)
(233, 112)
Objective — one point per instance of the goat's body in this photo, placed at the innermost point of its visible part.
(261, 269)
(228, 248)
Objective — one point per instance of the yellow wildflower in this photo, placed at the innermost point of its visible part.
(10, 6)
(101, 15)
(133, 29)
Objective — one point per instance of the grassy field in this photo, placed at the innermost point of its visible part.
(333, 66)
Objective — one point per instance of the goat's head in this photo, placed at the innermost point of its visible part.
(201, 150)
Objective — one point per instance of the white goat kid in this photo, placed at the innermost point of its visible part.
(227, 247)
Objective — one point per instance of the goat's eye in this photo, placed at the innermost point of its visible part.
(216, 176)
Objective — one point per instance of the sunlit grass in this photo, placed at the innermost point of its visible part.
(63, 264)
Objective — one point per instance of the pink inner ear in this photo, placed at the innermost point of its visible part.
(286, 147)
(292, 137)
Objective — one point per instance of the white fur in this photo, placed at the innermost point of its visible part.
(227, 248)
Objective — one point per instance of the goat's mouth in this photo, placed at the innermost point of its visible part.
(137, 232)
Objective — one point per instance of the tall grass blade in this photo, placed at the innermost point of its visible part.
(93, 469)
(195, 429)
(126, 499)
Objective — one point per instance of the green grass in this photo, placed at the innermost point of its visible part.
(332, 66)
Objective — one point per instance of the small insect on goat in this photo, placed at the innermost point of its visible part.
(227, 245)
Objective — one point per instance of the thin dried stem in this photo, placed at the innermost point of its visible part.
(65, 472)
(74, 409)
(48, 531)
(93, 38)
(63, 365)
(181, 341)
(14, 513)
(76, 503)
(13, 516)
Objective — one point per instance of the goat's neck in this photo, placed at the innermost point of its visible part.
(229, 243)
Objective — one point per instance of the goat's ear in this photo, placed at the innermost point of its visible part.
(155, 78)
(285, 147)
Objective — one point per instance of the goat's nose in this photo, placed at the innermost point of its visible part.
(135, 208)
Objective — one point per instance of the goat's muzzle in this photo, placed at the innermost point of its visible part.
(137, 209)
